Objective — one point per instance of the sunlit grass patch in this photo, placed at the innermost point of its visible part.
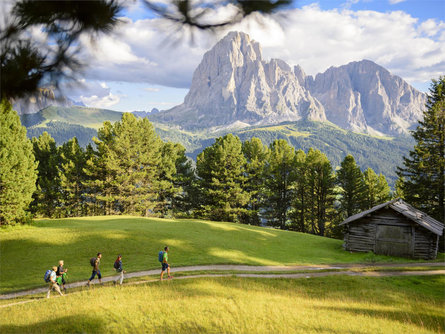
(232, 305)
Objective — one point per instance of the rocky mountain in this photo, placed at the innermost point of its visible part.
(233, 87)
(233, 84)
(365, 97)
(41, 99)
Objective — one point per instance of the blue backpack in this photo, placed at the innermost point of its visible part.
(47, 275)
(161, 256)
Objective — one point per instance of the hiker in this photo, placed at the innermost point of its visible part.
(165, 265)
(61, 275)
(95, 264)
(52, 283)
(118, 268)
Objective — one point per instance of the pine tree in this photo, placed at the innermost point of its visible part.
(377, 190)
(221, 168)
(72, 174)
(352, 187)
(279, 178)
(98, 191)
(424, 169)
(46, 199)
(300, 199)
(320, 183)
(256, 154)
(186, 199)
(17, 167)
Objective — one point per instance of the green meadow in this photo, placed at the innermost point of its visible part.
(28, 251)
(338, 304)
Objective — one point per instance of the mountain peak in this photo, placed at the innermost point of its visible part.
(234, 85)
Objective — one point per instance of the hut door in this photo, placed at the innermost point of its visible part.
(393, 240)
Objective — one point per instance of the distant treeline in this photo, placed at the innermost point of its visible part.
(130, 170)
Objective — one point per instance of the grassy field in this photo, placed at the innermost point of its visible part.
(339, 304)
(28, 251)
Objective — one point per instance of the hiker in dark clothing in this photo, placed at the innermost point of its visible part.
(165, 265)
(118, 268)
(61, 275)
(96, 270)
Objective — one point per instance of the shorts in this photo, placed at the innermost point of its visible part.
(164, 266)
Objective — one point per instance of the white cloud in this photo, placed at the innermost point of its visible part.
(100, 102)
(155, 52)
(393, 2)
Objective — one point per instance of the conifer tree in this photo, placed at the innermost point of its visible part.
(72, 174)
(320, 184)
(424, 169)
(187, 198)
(46, 199)
(256, 154)
(377, 190)
(300, 199)
(17, 167)
(134, 161)
(221, 168)
(98, 191)
(279, 178)
(352, 187)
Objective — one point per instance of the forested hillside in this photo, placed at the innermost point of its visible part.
(382, 154)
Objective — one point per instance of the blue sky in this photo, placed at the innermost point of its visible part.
(147, 64)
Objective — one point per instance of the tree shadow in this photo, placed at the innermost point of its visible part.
(67, 324)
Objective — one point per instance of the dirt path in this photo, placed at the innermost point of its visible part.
(312, 272)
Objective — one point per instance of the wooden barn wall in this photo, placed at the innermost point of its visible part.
(425, 244)
(360, 235)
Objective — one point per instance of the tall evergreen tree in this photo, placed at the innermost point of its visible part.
(377, 190)
(221, 168)
(352, 187)
(72, 174)
(320, 183)
(300, 210)
(187, 198)
(46, 199)
(17, 167)
(279, 178)
(256, 154)
(424, 169)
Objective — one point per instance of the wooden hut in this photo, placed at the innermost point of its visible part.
(393, 228)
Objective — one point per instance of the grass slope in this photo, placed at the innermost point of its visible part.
(233, 305)
(27, 252)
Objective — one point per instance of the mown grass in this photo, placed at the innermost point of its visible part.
(339, 304)
(27, 252)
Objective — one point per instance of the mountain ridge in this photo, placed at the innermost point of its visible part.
(234, 84)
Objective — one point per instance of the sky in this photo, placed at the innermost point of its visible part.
(148, 63)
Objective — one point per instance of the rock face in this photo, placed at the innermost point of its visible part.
(234, 87)
(364, 97)
(43, 98)
(233, 84)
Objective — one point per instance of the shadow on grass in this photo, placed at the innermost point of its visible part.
(68, 324)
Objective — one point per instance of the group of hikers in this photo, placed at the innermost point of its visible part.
(58, 275)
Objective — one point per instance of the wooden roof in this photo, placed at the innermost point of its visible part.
(408, 211)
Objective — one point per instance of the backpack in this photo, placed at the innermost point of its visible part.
(161, 256)
(93, 261)
(47, 276)
(116, 264)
